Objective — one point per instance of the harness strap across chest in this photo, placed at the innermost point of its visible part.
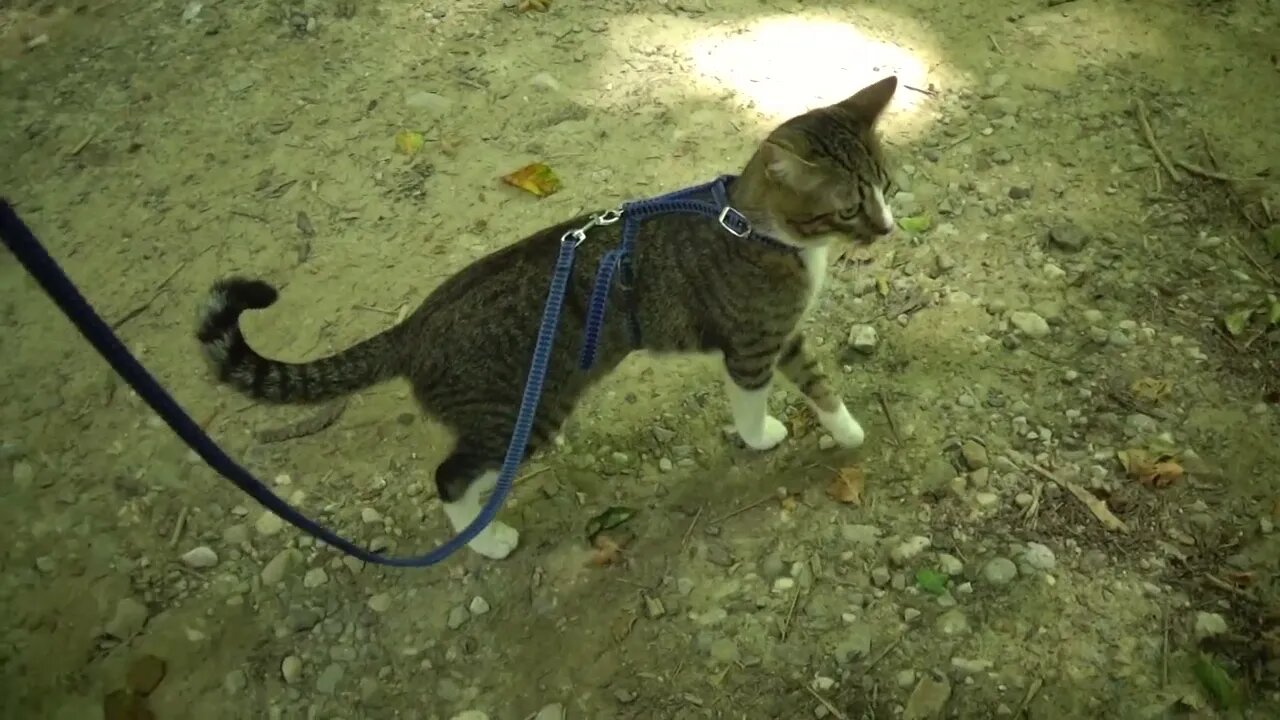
(710, 200)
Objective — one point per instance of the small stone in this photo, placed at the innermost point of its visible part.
(1019, 192)
(856, 645)
(1023, 499)
(952, 622)
(380, 603)
(970, 667)
(860, 534)
(665, 464)
(725, 650)
(458, 617)
(235, 682)
(999, 571)
(554, 711)
(200, 558)
(369, 516)
(905, 678)
(910, 615)
(128, 621)
(268, 524)
(974, 454)
(986, 499)
(1067, 237)
(1029, 323)
(274, 571)
(315, 577)
(1039, 557)
(909, 549)
(880, 576)
(428, 101)
(236, 535)
(826, 442)
(624, 696)
(145, 674)
(928, 700)
(654, 608)
(478, 606)
(950, 564)
(328, 681)
(864, 338)
(783, 584)
(291, 669)
(1210, 624)
(46, 564)
(23, 474)
(1141, 425)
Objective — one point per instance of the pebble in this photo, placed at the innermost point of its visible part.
(856, 644)
(905, 678)
(826, 442)
(369, 516)
(328, 681)
(928, 700)
(860, 534)
(1139, 424)
(909, 549)
(999, 571)
(291, 669)
(952, 622)
(970, 667)
(268, 523)
(23, 474)
(1029, 323)
(478, 606)
(428, 101)
(128, 620)
(236, 535)
(725, 650)
(458, 617)
(975, 455)
(315, 577)
(880, 576)
(1067, 237)
(276, 568)
(864, 338)
(1209, 624)
(1019, 192)
(46, 564)
(380, 603)
(235, 682)
(554, 711)
(1039, 557)
(950, 564)
(200, 558)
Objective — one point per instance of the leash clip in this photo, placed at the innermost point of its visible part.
(579, 236)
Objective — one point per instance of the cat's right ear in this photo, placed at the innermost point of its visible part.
(787, 167)
(869, 102)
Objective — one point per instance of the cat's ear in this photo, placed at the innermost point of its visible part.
(788, 167)
(871, 100)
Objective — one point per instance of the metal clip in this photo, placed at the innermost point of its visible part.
(579, 236)
(730, 213)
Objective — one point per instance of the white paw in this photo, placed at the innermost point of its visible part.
(497, 541)
(773, 433)
(844, 429)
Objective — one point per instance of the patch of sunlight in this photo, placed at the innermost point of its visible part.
(789, 64)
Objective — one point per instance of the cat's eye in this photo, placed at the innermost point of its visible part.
(847, 213)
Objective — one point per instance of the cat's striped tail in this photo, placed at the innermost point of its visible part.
(364, 364)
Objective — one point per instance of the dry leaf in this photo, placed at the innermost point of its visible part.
(409, 142)
(607, 552)
(799, 423)
(1239, 578)
(1153, 472)
(847, 486)
(539, 5)
(1152, 390)
(537, 179)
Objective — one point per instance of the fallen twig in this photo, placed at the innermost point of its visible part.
(1140, 109)
(146, 305)
(178, 526)
(743, 509)
(1097, 507)
(1164, 646)
(307, 426)
(1261, 268)
(689, 533)
(791, 612)
(826, 704)
(1207, 173)
(995, 45)
(922, 91)
(1056, 3)
(883, 653)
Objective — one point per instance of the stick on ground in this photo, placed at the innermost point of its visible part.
(1140, 109)
(1097, 507)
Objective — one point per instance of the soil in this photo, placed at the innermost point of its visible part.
(1066, 306)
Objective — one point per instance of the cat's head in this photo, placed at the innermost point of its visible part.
(824, 172)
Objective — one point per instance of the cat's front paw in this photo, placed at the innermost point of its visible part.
(770, 435)
(497, 541)
(844, 429)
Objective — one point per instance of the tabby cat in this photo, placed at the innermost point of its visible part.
(698, 288)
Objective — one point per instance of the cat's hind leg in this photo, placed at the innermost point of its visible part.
(805, 372)
(463, 480)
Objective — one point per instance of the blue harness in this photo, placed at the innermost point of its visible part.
(46, 271)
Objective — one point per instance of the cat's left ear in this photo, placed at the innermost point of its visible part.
(869, 102)
(788, 167)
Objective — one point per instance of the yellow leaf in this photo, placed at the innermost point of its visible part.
(1237, 321)
(847, 486)
(409, 142)
(537, 179)
(1153, 472)
(915, 224)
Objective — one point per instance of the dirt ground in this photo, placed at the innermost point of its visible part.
(1069, 304)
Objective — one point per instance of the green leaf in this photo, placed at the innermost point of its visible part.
(1237, 321)
(1273, 313)
(1271, 236)
(609, 519)
(931, 581)
(915, 224)
(1222, 690)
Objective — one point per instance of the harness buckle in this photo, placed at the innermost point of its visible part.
(731, 217)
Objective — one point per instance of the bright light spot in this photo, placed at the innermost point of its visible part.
(788, 65)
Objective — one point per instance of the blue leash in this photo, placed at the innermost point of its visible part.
(19, 239)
